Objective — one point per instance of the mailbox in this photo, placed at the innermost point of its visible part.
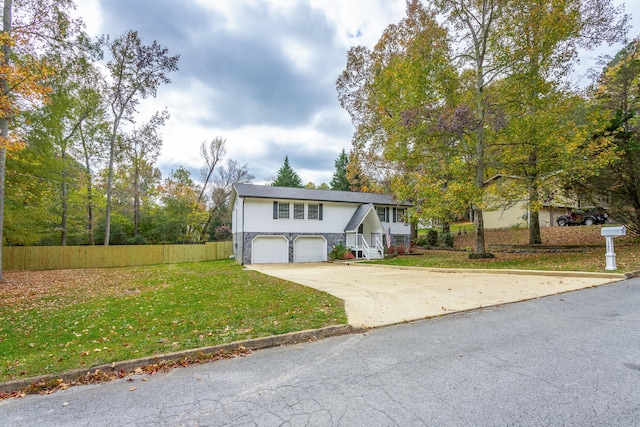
(613, 231)
(609, 233)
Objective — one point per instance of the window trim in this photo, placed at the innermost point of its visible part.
(278, 209)
(385, 213)
(316, 214)
(282, 212)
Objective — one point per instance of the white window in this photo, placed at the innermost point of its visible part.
(298, 211)
(315, 211)
(280, 210)
(383, 214)
(400, 214)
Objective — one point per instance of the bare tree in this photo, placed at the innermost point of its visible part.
(211, 154)
(227, 176)
(137, 71)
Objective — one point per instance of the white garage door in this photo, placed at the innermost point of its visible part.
(310, 249)
(270, 250)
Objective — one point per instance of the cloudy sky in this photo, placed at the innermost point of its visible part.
(260, 73)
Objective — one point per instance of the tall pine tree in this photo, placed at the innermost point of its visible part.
(287, 177)
(339, 182)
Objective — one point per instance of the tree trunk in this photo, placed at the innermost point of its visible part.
(535, 237)
(112, 155)
(4, 124)
(3, 162)
(63, 222)
(90, 215)
(136, 199)
(65, 196)
(107, 211)
(478, 220)
(203, 232)
(87, 165)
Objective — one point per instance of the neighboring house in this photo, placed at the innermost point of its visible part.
(500, 213)
(517, 215)
(282, 225)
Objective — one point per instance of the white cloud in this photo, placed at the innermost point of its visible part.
(360, 21)
(259, 73)
(301, 56)
(91, 13)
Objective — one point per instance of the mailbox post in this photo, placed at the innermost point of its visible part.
(609, 233)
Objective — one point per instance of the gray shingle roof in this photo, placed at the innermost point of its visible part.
(358, 217)
(270, 192)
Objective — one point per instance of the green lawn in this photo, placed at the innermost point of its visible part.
(586, 239)
(588, 259)
(53, 321)
(81, 318)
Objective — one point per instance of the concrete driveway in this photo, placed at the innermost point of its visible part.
(376, 295)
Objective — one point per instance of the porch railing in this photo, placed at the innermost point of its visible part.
(366, 250)
(379, 246)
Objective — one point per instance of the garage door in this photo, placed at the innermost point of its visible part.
(270, 250)
(309, 249)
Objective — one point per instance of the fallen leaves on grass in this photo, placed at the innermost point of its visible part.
(51, 385)
(577, 235)
(28, 290)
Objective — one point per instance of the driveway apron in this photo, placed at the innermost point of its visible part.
(376, 295)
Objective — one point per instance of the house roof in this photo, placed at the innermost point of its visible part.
(358, 216)
(271, 192)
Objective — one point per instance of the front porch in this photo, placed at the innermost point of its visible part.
(365, 247)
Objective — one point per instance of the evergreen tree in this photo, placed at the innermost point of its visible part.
(287, 177)
(339, 182)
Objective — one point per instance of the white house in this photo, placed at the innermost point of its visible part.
(282, 225)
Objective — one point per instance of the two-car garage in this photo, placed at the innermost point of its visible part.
(275, 249)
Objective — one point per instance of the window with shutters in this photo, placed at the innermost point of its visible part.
(283, 210)
(315, 211)
(382, 213)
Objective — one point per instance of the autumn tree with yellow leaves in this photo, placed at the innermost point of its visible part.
(616, 97)
(440, 106)
(29, 29)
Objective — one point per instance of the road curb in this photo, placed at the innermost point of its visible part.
(632, 274)
(130, 366)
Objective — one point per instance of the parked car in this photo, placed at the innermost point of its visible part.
(583, 217)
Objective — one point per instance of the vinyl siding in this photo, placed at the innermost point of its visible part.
(259, 218)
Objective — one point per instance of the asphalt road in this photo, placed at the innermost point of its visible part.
(568, 359)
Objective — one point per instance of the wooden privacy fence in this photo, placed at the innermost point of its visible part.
(65, 257)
